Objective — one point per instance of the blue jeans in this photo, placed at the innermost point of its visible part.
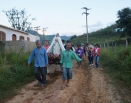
(96, 61)
(67, 73)
(42, 71)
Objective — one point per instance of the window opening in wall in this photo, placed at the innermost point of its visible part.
(28, 39)
(2, 36)
(13, 37)
(22, 38)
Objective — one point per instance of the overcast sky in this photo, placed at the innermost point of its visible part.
(65, 16)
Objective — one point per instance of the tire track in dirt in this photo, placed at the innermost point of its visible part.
(89, 85)
(100, 88)
(52, 93)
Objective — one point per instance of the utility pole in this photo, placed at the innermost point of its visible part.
(86, 20)
(44, 29)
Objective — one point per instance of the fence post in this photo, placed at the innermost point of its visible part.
(104, 45)
(126, 43)
(100, 45)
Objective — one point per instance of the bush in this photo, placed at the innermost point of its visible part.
(118, 64)
(14, 73)
(20, 59)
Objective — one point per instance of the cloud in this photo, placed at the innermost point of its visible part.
(98, 26)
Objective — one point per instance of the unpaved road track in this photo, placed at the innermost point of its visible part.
(89, 85)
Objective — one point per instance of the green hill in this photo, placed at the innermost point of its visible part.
(100, 36)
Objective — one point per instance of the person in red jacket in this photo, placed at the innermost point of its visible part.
(96, 55)
(46, 45)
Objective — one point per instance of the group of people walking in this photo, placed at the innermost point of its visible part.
(89, 51)
(93, 53)
(68, 54)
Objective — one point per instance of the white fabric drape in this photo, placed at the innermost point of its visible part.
(56, 46)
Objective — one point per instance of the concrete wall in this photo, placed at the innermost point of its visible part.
(19, 46)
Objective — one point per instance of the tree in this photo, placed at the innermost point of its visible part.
(73, 37)
(124, 21)
(19, 19)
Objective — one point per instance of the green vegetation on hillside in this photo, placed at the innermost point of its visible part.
(103, 35)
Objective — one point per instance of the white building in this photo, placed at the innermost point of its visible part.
(10, 34)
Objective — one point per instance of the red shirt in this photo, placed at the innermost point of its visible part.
(96, 51)
(46, 47)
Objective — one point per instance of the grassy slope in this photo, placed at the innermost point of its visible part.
(100, 36)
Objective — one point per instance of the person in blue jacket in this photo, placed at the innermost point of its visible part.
(41, 62)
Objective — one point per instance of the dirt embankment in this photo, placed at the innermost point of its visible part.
(89, 85)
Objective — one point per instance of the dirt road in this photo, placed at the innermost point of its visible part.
(89, 85)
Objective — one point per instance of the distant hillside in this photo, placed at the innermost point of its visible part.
(65, 37)
(36, 33)
(103, 35)
(47, 37)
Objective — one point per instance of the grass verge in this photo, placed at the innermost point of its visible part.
(117, 63)
(14, 73)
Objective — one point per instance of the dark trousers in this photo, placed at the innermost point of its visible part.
(40, 71)
(90, 58)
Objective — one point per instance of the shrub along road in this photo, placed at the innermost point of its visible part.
(89, 85)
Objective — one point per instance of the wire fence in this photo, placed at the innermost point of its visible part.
(116, 43)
